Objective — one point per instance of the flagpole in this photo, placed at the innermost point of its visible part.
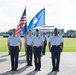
(44, 20)
(26, 17)
(25, 33)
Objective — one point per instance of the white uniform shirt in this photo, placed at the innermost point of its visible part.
(38, 40)
(56, 40)
(29, 39)
(14, 40)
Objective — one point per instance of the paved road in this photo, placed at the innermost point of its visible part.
(67, 65)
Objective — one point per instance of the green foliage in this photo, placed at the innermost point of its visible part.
(71, 31)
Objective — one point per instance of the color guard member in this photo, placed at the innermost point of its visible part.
(13, 44)
(38, 44)
(56, 42)
(28, 46)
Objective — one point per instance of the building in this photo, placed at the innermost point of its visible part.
(48, 30)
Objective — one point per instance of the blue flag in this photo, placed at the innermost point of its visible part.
(38, 20)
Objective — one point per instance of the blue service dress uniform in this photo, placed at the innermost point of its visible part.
(29, 40)
(55, 50)
(14, 42)
(37, 40)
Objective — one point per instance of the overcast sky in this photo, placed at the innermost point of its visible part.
(58, 13)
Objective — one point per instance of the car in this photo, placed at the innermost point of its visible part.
(5, 35)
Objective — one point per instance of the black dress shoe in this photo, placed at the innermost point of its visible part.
(12, 69)
(39, 70)
(15, 69)
(57, 70)
(31, 65)
(27, 65)
(53, 70)
(35, 69)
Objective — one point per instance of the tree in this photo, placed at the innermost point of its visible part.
(71, 31)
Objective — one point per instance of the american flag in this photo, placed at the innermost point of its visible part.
(22, 22)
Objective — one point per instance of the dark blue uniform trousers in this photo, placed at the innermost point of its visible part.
(37, 57)
(44, 49)
(29, 55)
(14, 53)
(55, 51)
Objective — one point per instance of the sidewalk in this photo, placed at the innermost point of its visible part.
(67, 65)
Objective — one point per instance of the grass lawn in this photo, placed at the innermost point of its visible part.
(3, 44)
(69, 45)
